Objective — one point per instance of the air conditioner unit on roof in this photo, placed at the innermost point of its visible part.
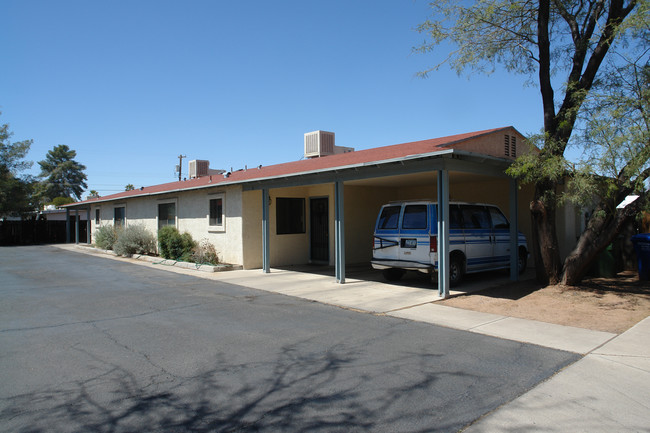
(199, 168)
(319, 143)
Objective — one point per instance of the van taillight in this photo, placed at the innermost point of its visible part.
(433, 244)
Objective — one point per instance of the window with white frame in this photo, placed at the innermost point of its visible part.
(216, 212)
(97, 216)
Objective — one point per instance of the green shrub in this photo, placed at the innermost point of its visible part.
(205, 252)
(135, 239)
(105, 237)
(174, 245)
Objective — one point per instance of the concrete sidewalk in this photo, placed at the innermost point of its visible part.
(608, 390)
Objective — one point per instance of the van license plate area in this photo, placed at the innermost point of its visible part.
(409, 243)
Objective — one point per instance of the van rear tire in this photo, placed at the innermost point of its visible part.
(456, 270)
(393, 274)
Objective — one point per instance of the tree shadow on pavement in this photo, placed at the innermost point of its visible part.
(291, 392)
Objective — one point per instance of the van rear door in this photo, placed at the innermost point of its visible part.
(386, 239)
(414, 234)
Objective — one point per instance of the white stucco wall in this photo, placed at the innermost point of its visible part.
(192, 213)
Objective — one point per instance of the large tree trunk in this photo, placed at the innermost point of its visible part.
(602, 229)
(546, 252)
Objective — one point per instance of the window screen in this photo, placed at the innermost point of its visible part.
(166, 214)
(119, 216)
(216, 212)
(290, 215)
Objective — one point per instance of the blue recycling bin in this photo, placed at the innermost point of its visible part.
(642, 247)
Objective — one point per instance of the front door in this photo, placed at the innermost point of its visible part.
(319, 229)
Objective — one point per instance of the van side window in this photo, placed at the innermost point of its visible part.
(415, 217)
(389, 217)
(499, 221)
(455, 218)
(476, 217)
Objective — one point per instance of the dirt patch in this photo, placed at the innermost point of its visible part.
(603, 304)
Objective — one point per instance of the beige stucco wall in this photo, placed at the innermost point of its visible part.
(494, 144)
(192, 211)
(252, 229)
(361, 207)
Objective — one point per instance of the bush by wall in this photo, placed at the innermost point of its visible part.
(205, 252)
(135, 239)
(174, 245)
(105, 237)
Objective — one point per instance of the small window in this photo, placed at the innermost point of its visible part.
(513, 146)
(499, 221)
(476, 217)
(216, 212)
(97, 214)
(166, 214)
(290, 215)
(119, 216)
(506, 145)
(415, 217)
(389, 217)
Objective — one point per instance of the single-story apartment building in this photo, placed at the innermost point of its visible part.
(322, 209)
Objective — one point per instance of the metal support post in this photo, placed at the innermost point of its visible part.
(88, 228)
(67, 225)
(266, 250)
(443, 233)
(339, 228)
(76, 226)
(514, 231)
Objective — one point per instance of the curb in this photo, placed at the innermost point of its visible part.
(166, 262)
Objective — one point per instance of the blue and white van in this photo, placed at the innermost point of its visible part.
(405, 238)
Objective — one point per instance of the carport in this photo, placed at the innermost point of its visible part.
(434, 172)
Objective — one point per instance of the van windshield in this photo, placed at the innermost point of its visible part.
(389, 217)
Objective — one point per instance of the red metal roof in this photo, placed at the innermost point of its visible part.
(377, 154)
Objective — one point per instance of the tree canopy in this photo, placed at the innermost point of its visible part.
(15, 189)
(61, 175)
(563, 47)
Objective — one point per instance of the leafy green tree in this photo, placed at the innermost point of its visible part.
(15, 189)
(561, 45)
(93, 194)
(129, 187)
(616, 142)
(60, 201)
(62, 175)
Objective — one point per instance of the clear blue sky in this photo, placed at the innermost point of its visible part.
(130, 85)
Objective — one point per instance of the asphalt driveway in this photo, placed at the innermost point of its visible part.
(92, 344)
